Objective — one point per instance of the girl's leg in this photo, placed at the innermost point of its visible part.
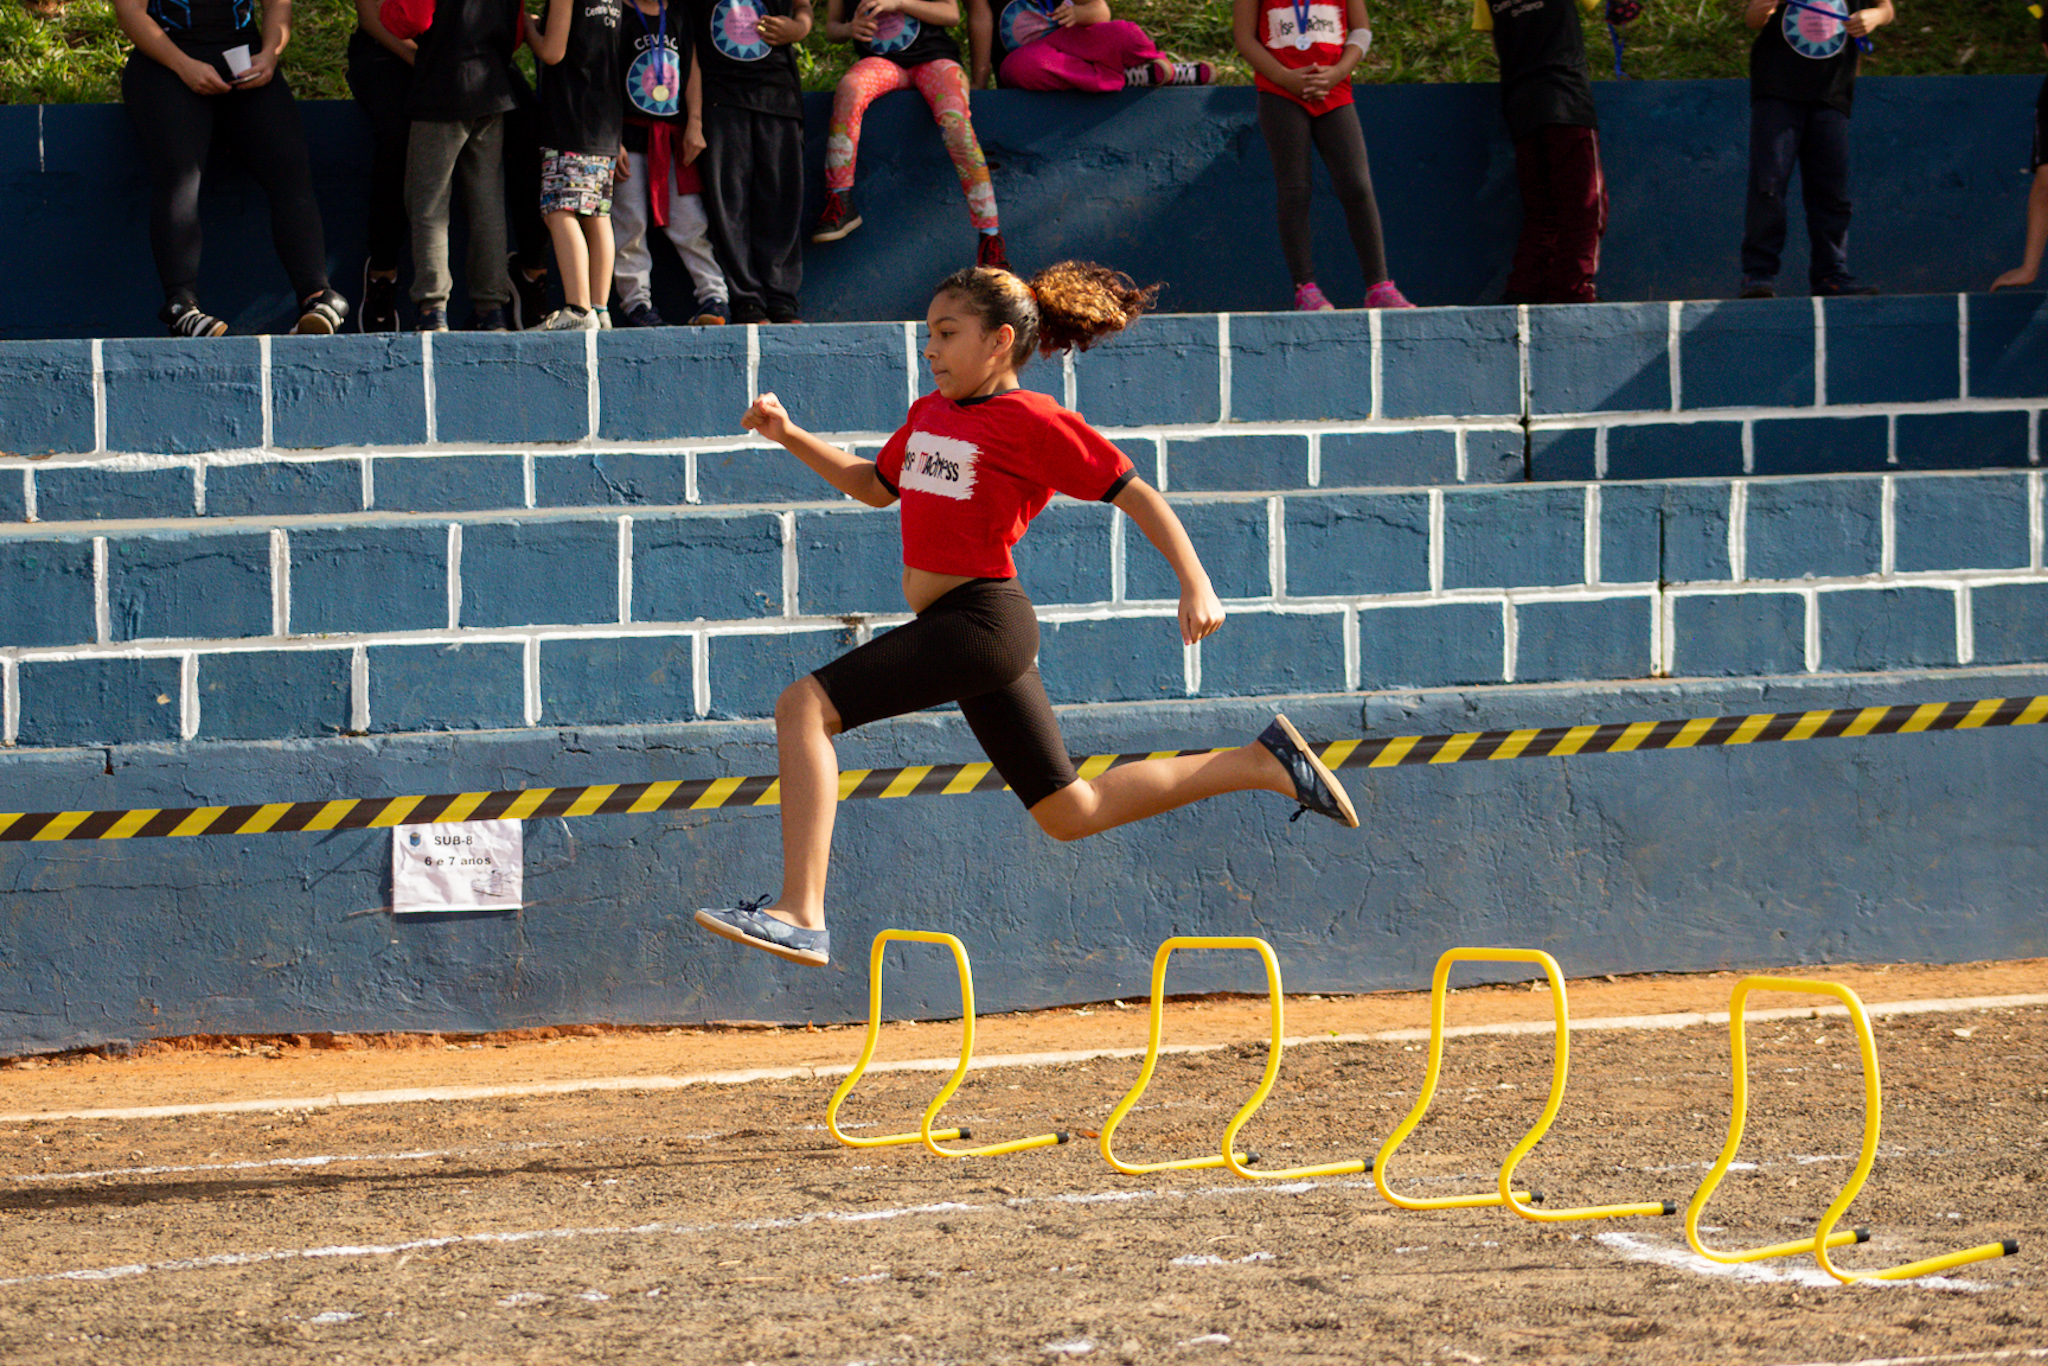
(1133, 792)
(1090, 57)
(175, 128)
(263, 125)
(572, 257)
(944, 86)
(1285, 125)
(597, 237)
(1341, 141)
(808, 770)
(866, 81)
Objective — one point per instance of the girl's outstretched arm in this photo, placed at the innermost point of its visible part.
(851, 475)
(1201, 612)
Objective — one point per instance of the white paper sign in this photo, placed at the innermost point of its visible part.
(468, 866)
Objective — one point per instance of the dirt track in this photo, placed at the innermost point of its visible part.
(722, 1224)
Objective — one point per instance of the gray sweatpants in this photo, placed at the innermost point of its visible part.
(440, 154)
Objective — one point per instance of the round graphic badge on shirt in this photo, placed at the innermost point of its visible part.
(736, 30)
(654, 82)
(894, 32)
(1816, 30)
(1025, 21)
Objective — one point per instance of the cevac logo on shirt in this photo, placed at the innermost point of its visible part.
(939, 464)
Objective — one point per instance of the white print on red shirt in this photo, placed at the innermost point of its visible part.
(939, 464)
(1325, 25)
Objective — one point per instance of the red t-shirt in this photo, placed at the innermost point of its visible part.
(1320, 42)
(972, 475)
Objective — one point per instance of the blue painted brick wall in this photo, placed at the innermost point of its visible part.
(1974, 522)
(92, 493)
(1606, 638)
(46, 393)
(274, 694)
(347, 391)
(1961, 441)
(14, 496)
(1559, 454)
(749, 672)
(285, 488)
(1125, 660)
(99, 701)
(1495, 457)
(1887, 628)
(1168, 370)
(189, 586)
(1746, 353)
(1586, 358)
(540, 572)
(658, 384)
(1819, 445)
(476, 686)
(2008, 345)
(167, 396)
(1233, 540)
(46, 592)
(1741, 634)
(1514, 538)
(619, 680)
(1357, 544)
(762, 475)
(1674, 450)
(849, 378)
(1065, 555)
(369, 577)
(510, 387)
(1234, 463)
(715, 568)
(1893, 349)
(1259, 653)
(848, 563)
(2008, 622)
(1815, 528)
(611, 479)
(1442, 362)
(447, 483)
(1276, 359)
(1413, 458)
(1438, 646)
(1670, 533)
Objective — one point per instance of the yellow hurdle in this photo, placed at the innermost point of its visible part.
(1229, 1156)
(924, 1134)
(1824, 1237)
(1506, 1194)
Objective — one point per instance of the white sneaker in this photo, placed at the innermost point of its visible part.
(568, 318)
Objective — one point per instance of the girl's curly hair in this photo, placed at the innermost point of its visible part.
(1068, 306)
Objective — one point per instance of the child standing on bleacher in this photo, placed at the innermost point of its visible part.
(904, 43)
(753, 162)
(664, 135)
(583, 114)
(1302, 53)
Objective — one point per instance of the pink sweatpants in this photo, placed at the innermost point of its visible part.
(1084, 57)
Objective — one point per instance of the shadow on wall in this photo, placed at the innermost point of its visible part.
(1170, 185)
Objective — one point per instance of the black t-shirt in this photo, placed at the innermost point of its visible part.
(464, 66)
(208, 26)
(741, 69)
(906, 41)
(654, 54)
(1543, 78)
(1804, 56)
(583, 96)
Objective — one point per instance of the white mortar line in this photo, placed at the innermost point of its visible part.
(526, 475)
(263, 379)
(1191, 668)
(1315, 458)
(2034, 520)
(1510, 639)
(1353, 666)
(102, 608)
(529, 661)
(700, 673)
(1962, 346)
(1592, 525)
(1891, 439)
(909, 363)
(1375, 333)
(1600, 452)
(753, 361)
(280, 584)
(1118, 589)
(1671, 343)
(789, 564)
(1223, 369)
(1664, 647)
(1276, 547)
(10, 701)
(99, 395)
(595, 390)
(1820, 353)
(625, 569)
(359, 689)
(1436, 542)
(188, 697)
(199, 489)
(427, 386)
(1069, 382)
(454, 575)
(1812, 630)
(1887, 528)
(369, 483)
(1738, 530)
(28, 493)
(1159, 462)
(1748, 446)
(1461, 457)
(1966, 625)
(1522, 355)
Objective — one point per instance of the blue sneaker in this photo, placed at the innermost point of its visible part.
(748, 924)
(1315, 787)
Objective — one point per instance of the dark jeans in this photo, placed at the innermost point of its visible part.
(1564, 214)
(381, 81)
(176, 129)
(753, 175)
(1816, 138)
(1289, 131)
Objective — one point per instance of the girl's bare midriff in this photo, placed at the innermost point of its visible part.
(922, 588)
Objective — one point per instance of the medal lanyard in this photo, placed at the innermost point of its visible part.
(660, 33)
(1302, 9)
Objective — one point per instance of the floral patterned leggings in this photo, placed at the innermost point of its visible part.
(944, 86)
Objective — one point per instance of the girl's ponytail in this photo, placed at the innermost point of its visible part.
(1068, 306)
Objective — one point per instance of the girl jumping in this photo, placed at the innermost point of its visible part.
(975, 462)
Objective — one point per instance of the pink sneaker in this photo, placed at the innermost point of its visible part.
(1309, 299)
(1384, 295)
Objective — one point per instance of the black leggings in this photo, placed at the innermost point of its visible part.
(176, 128)
(1289, 129)
(977, 646)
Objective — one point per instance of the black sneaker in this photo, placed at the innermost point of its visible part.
(1192, 73)
(990, 253)
(1841, 287)
(1758, 288)
(710, 313)
(433, 320)
(379, 312)
(529, 296)
(322, 315)
(838, 219)
(644, 315)
(488, 320)
(747, 311)
(1315, 787)
(185, 320)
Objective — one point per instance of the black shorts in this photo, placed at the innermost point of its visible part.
(977, 646)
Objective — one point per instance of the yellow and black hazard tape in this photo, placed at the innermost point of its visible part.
(952, 780)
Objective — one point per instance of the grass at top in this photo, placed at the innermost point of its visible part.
(71, 51)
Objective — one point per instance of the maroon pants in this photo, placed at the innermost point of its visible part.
(1564, 213)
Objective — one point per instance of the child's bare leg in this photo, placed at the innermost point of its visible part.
(572, 256)
(808, 765)
(598, 241)
(1134, 791)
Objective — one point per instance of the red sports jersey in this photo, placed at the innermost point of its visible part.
(972, 475)
(1303, 33)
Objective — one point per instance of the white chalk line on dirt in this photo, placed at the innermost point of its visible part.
(2003, 1354)
(445, 1094)
(314, 1161)
(1682, 1258)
